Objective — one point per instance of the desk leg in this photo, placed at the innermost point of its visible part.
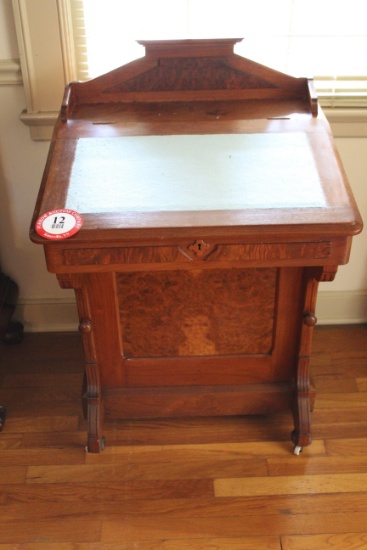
(93, 408)
(95, 442)
(2, 416)
(301, 435)
(93, 412)
(91, 394)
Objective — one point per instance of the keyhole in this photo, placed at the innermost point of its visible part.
(199, 248)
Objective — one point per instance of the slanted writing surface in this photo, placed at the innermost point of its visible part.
(194, 172)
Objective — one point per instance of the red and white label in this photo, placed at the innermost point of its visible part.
(59, 224)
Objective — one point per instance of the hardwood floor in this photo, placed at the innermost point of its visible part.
(209, 483)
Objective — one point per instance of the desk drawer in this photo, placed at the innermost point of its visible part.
(192, 254)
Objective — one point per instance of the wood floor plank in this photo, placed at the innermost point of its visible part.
(36, 457)
(348, 447)
(168, 527)
(46, 532)
(105, 509)
(13, 474)
(318, 465)
(60, 439)
(111, 491)
(338, 415)
(248, 543)
(40, 380)
(40, 395)
(344, 338)
(41, 423)
(340, 430)
(290, 485)
(44, 350)
(55, 408)
(156, 469)
(333, 383)
(361, 384)
(332, 400)
(168, 462)
(191, 468)
(347, 541)
(10, 441)
(48, 512)
(350, 365)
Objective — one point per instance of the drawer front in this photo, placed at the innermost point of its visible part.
(192, 254)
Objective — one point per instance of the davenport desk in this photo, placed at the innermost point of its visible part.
(212, 202)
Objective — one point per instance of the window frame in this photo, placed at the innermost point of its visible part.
(46, 71)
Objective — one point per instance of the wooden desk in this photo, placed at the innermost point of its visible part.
(213, 203)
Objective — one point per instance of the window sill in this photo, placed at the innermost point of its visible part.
(41, 125)
(344, 123)
(347, 122)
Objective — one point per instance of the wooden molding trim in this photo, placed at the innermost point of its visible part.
(10, 73)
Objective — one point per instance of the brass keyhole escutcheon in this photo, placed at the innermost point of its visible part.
(199, 248)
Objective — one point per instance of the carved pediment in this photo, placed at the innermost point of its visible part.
(184, 74)
(188, 70)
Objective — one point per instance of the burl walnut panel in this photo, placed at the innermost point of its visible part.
(197, 313)
(187, 74)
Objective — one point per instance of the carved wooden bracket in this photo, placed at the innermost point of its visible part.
(328, 273)
(69, 280)
(323, 273)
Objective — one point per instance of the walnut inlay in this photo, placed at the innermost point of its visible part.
(197, 313)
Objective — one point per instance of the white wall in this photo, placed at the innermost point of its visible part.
(42, 304)
(353, 277)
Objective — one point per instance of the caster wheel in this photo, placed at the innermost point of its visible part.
(297, 450)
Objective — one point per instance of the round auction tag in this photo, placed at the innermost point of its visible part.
(59, 224)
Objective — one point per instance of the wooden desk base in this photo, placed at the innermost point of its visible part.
(270, 328)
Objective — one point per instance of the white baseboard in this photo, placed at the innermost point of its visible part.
(57, 315)
(341, 307)
(47, 315)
